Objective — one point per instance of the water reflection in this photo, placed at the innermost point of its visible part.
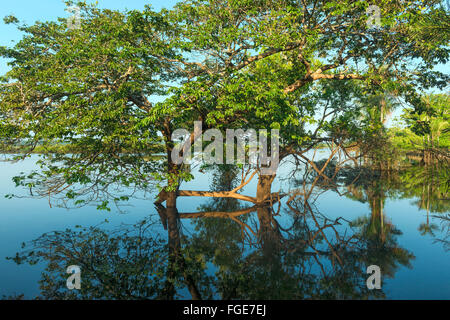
(284, 248)
(427, 185)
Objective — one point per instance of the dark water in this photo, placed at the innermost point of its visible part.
(295, 249)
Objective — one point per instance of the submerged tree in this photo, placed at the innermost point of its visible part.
(89, 88)
(227, 64)
(276, 64)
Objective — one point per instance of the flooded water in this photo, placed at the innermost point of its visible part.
(303, 247)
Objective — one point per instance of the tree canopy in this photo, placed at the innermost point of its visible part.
(117, 88)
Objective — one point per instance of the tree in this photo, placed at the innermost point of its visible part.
(254, 64)
(229, 64)
(90, 88)
(430, 123)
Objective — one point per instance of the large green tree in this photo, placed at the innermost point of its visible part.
(294, 65)
(282, 64)
(90, 88)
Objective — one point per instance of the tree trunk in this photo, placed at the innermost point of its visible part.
(264, 187)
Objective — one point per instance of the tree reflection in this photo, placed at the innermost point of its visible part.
(278, 250)
(427, 185)
(126, 263)
(445, 227)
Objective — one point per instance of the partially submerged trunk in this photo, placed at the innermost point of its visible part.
(264, 188)
(263, 193)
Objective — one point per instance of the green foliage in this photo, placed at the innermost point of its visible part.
(432, 120)
(115, 89)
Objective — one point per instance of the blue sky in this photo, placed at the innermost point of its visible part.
(29, 11)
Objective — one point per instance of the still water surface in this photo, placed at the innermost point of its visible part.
(401, 224)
